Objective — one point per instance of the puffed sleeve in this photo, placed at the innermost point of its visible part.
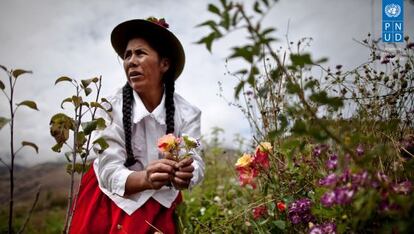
(109, 165)
(191, 127)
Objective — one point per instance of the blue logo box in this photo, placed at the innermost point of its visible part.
(392, 21)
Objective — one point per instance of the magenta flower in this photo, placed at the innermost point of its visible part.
(403, 187)
(332, 162)
(359, 179)
(343, 196)
(319, 149)
(360, 150)
(325, 228)
(329, 180)
(300, 211)
(328, 199)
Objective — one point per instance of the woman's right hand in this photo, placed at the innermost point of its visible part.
(159, 173)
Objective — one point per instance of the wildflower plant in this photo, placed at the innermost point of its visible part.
(335, 149)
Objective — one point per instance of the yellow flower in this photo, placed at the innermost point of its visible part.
(265, 147)
(244, 161)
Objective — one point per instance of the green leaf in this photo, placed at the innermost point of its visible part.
(322, 60)
(280, 224)
(104, 100)
(90, 126)
(266, 2)
(213, 9)
(79, 168)
(57, 148)
(69, 99)
(238, 88)
(311, 84)
(76, 100)
(243, 52)
(299, 127)
(267, 31)
(210, 23)
(16, 73)
(68, 155)
(226, 20)
(253, 72)
(322, 98)
(292, 88)
(236, 18)
(63, 78)
(28, 103)
(60, 124)
(300, 59)
(4, 68)
(33, 145)
(86, 83)
(3, 122)
(80, 140)
(208, 40)
(2, 85)
(257, 8)
(102, 143)
(88, 91)
(276, 74)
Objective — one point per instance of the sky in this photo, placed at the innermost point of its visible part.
(56, 38)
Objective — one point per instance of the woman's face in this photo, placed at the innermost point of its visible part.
(143, 66)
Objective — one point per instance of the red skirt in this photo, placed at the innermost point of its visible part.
(97, 213)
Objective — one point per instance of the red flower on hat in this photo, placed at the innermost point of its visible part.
(161, 22)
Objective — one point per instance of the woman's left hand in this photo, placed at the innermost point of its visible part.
(183, 174)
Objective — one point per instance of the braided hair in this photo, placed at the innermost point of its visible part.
(128, 99)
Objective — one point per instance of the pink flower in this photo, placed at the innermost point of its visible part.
(261, 159)
(246, 176)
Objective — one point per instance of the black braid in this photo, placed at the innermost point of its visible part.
(127, 100)
(169, 85)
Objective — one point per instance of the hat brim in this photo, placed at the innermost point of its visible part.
(127, 30)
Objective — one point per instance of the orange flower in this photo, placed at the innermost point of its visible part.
(168, 143)
(244, 161)
(281, 206)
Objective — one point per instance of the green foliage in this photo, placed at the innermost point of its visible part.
(31, 144)
(3, 122)
(81, 127)
(30, 104)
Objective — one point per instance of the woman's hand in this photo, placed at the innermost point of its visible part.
(160, 173)
(157, 174)
(183, 173)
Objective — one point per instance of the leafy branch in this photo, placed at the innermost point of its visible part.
(13, 76)
(82, 125)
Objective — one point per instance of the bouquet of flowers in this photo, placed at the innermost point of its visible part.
(177, 148)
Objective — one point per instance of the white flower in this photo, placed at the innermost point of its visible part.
(217, 199)
(202, 210)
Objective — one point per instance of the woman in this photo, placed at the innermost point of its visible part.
(131, 187)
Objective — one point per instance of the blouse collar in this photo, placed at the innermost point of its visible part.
(140, 112)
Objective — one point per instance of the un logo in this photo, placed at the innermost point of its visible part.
(392, 10)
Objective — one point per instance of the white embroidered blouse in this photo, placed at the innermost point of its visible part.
(147, 128)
